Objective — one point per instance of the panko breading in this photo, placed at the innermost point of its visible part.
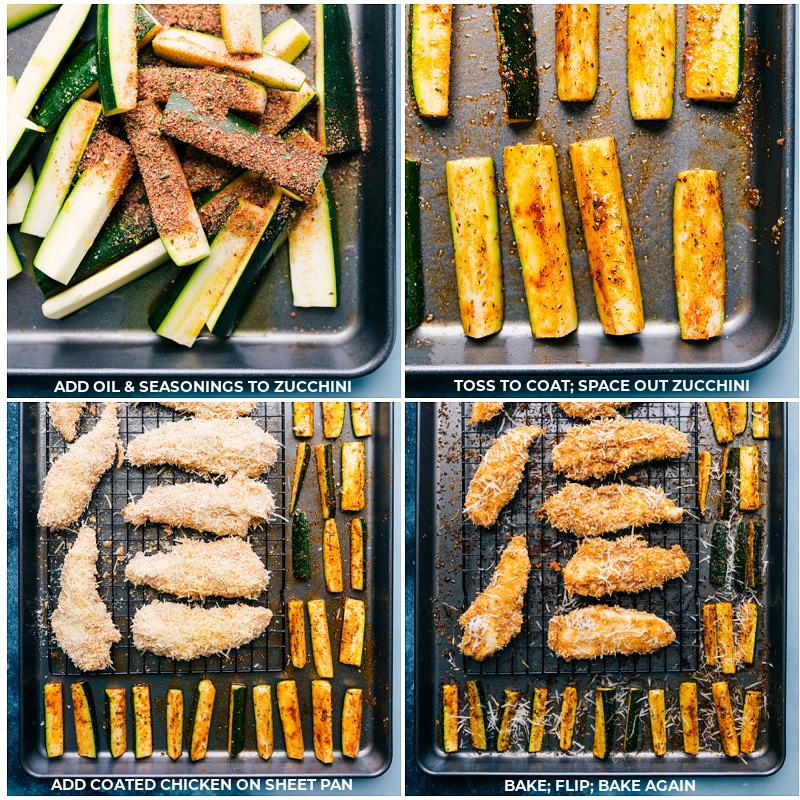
(205, 410)
(218, 446)
(81, 622)
(601, 567)
(496, 480)
(184, 632)
(227, 509)
(611, 446)
(483, 412)
(72, 479)
(495, 616)
(195, 569)
(589, 512)
(606, 631)
(65, 418)
(583, 410)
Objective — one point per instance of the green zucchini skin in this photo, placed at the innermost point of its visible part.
(755, 543)
(727, 499)
(633, 720)
(301, 552)
(718, 567)
(116, 57)
(85, 719)
(415, 290)
(327, 488)
(300, 467)
(604, 722)
(517, 56)
(236, 721)
(476, 698)
(740, 558)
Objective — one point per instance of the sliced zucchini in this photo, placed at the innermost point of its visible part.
(289, 709)
(85, 719)
(262, 713)
(320, 638)
(760, 420)
(359, 417)
(538, 714)
(652, 35)
(577, 51)
(297, 633)
(54, 719)
(287, 41)
(569, 713)
(720, 421)
(352, 713)
(537, 218)
(13, 264)
(303, 419)
(201, 724)
(476, 700)
(754, 563)
(746, 630)
(301, 553)
(332, 557)
(322, 720)
(19, 197)
(751, 714)
(450, 717)
(354, 476)
(604, 728)
(327, 489)
(241, 27)
(117, 720)
(284, 107)
(236, 709)
(19, 13)
(633, 720)
(174, 724)
(740, 558)
(609, 243)
(704, 462)
(727, 727)
(415, 288)
(358, 536)
(710, 633)
(725, 645)
(429, 57)
(338, 124)
(511, 700)
(142, 721)
(517, 56)
(737, 411)
(699, 253)
(658, 720)
(332, 419)
(749, 478)
(354, 624)
(300, 467)
(117, 61)
(713, 54)
(718, 565)
(687, 695)
(727, 497)
(472, 198)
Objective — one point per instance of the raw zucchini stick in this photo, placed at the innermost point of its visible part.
(751, 713)
(174, 724)
(142, 721)
(737, 411)
(517, 56)
(699, 253)
(286, 41)
(746, 629)
(354, 472)
(19, 196)
(511, 700)
(352, 713)
(415, 289)
(713, 54)
(358, 535)
(727, 726)
(303, 419)
(327, 490)
(577, 51)
(431, 31)
(651, 60)
(84, 718)
(359, 417)
(301, 553)
(117, 720)
(450, 717)
(354, 623)
(201, 724)
(749, 478)
(19, 13)
(332, 419)
(236, 707)
(760, 420)
(54, 719)
(612, 261)
(117, 59)
(538, 713)
(472, 198)
(689, 719)
(604, 728)
(710, 634)
(262, 711)
(476, 699)
(13, 264)
(320, 638)
(569, 712)
(300, 467)
(537, 218)
(322, 720)
(289, 709)
(704, 462)
(658, 721)
(332, 557)
(725, 645)
(241, 27)
(297, 633)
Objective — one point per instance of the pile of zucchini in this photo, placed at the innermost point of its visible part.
(86, 205)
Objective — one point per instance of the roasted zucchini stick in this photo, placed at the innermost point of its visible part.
(300, 467)
(429, 63)
(713, 54)
(201, 727)
(354, 476)
(303, 416)
(415, 282)
(352, 713)
(262, 712)
(710, 634)
(320, 638)
(720, 421)
(117, 720)
(751, 713)
(704, 462)
(142, 721)
(327, 489)
(577, 51)
(749, 478)
(569, 713)
(174, 724)
(604, 728)
(360, 419)
(538, 713)
(511, 700)
(289, 709)
(450, 717)
(727, 727)
(85, 720)
(476, 699)
(332, 419)
(761, 420)
(54, 719)
(358, 535)
(517, 58)
(658, 720)
(737, 411)
(746, 629)
(332, 557)
(537, 218)
(633, 720)
(297, 633)
(354, 625)
(652, 36)
(322, 720)
(689, 718)
(725, 642)
(236, 712)
(609, 243)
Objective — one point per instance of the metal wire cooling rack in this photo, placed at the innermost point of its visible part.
(117, 542)
(678, 602)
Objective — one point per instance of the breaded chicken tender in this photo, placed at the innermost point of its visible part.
(217, 446)
(210, 410)
(195, 569)
(81, 622)
(227, 509)
(601, 567)
(65, 418)
(483, 412)
(606, 631)
(495, 616)
(584, 410)
(612, 446)
(584, 511)
(184, 632)
(72, 479)
(496, 480)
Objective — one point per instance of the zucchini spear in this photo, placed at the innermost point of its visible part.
(652, 36)
(713, 54)
(577, 51)
(415, 291)
(429, 61)
(517, 56)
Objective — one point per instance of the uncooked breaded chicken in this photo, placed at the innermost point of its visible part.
(589, 512)
(601, 567)
(184, 632)
(583, 410)
(495, 615)
(606, 631)
(211, 410)
(612, 445)
(496, 480)
(483, 412)
(218, 446)
(72, 479)
(81, 622)
(195, 569)
(227, 509)
(65, 418)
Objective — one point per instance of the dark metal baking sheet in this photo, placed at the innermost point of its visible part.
(455, 561)
(750, 143)
(263, 661)
(274, 337)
